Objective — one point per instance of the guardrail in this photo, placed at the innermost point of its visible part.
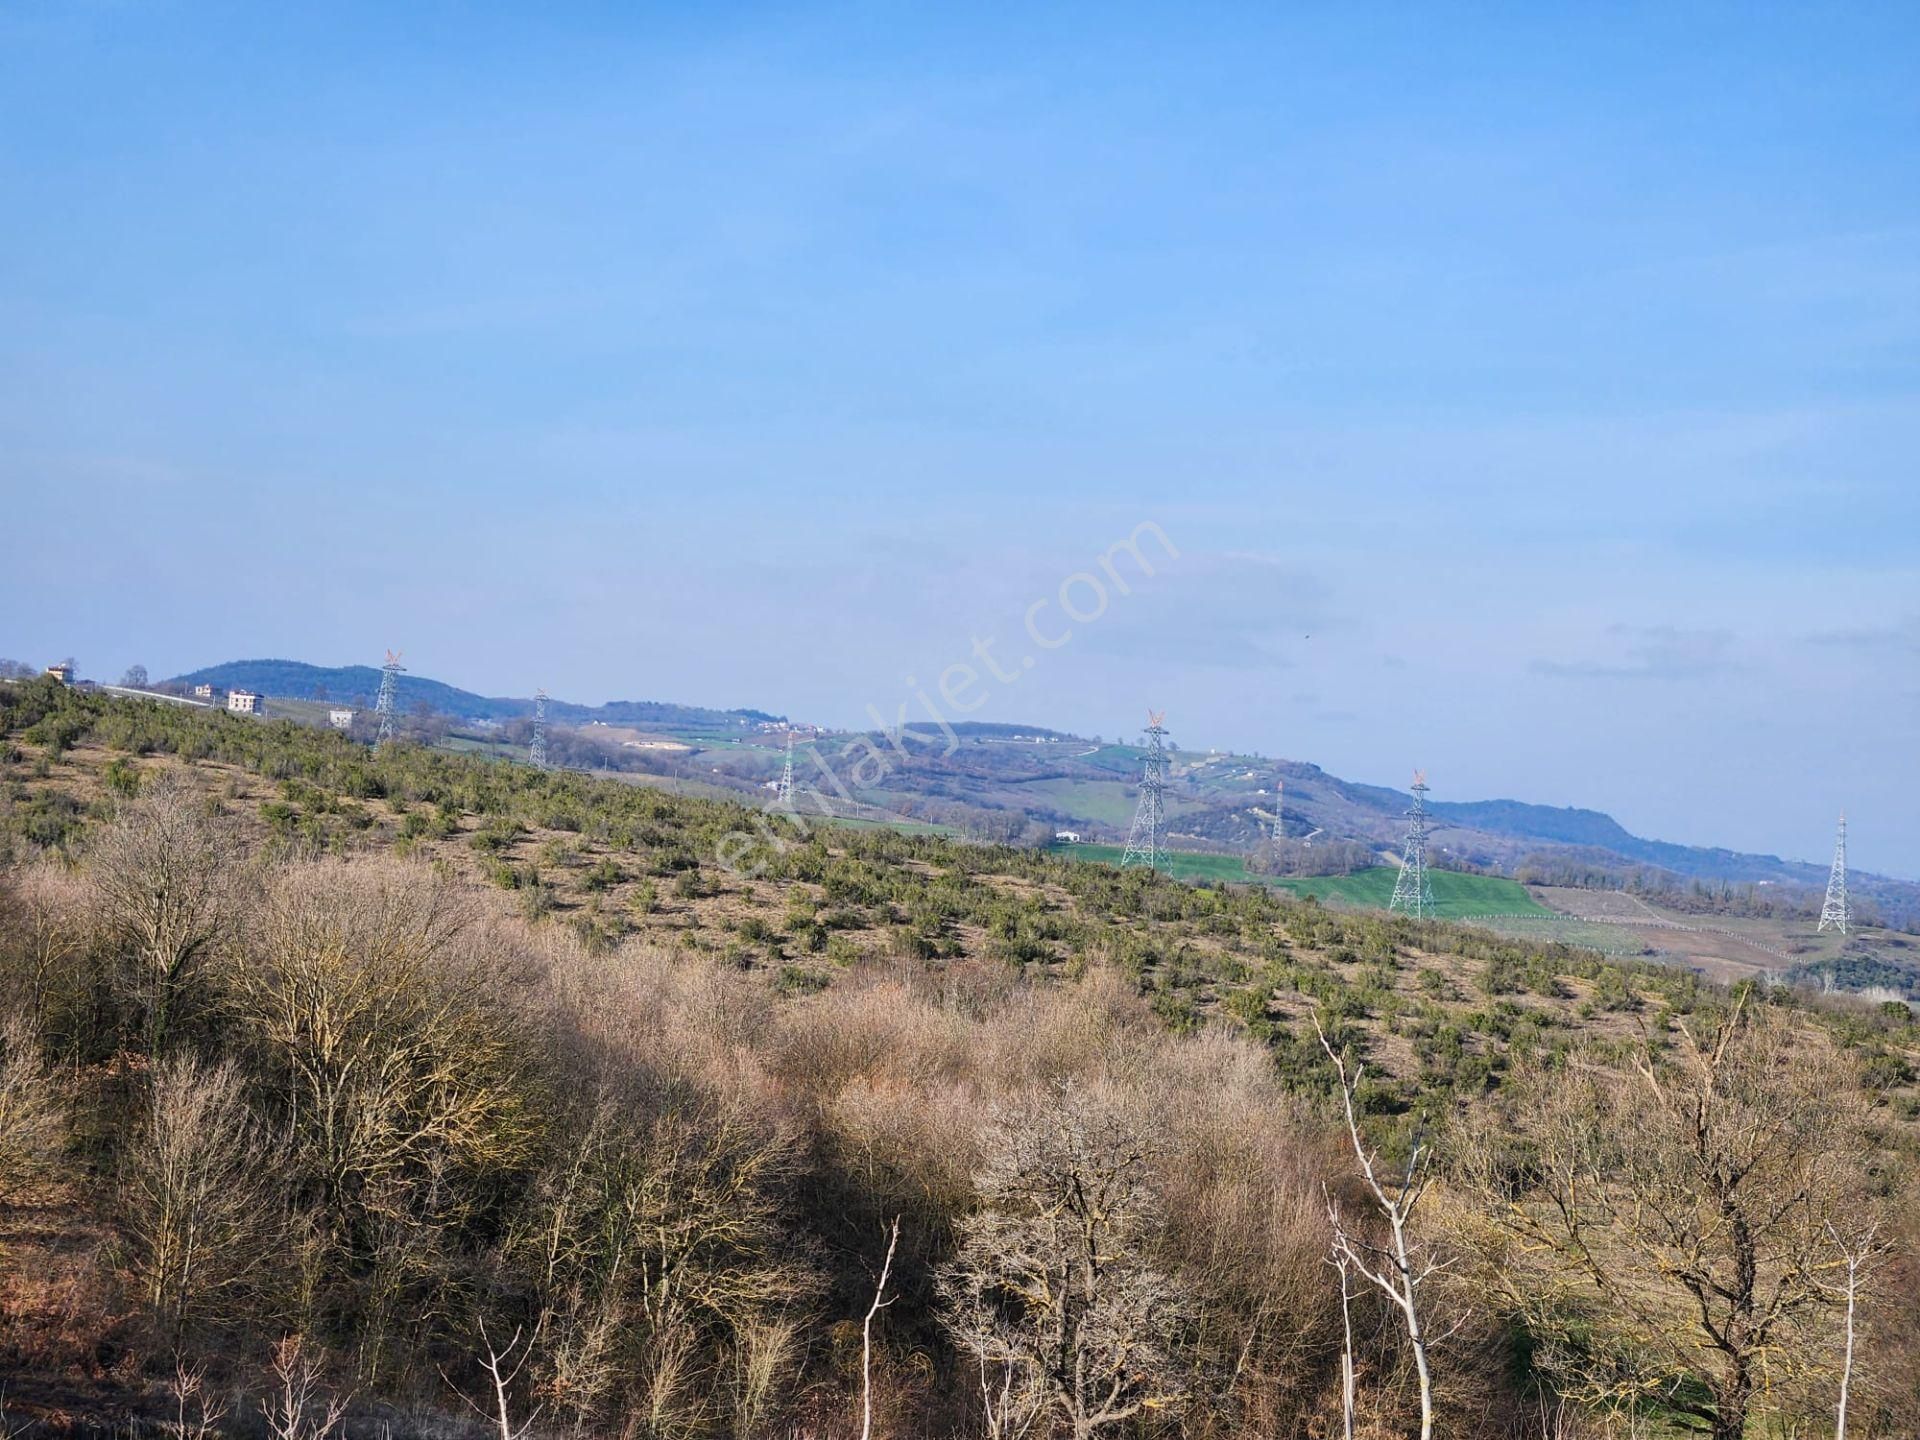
(133, 694)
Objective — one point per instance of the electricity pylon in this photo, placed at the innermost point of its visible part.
(389, 691)
(537, 748)
(783, 792)
(1413, 891)
(1837, 913)
(1279, 811)
(1147, 841)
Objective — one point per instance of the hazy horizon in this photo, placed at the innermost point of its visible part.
(1531, 398)
(917, 719)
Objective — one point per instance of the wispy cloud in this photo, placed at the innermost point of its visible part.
(1651, 652)
(1900, 638)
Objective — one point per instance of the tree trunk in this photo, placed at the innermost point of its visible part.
(1730, 1418)
(1846, 1372)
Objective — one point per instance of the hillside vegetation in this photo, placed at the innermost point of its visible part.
(1021, 782)
(1455, 895)
(332, 1075)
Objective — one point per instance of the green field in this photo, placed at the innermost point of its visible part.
(1109, 802)
(1122, 760)
(1455, 895)
(1182, 864)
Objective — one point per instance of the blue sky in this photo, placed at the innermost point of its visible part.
(1531, 397)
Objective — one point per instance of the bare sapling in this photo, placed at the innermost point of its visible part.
(501, 1369)
(866, 1334)
(1400, 1268)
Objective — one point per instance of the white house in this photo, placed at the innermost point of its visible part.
(1066, 837)
(243, 702)
(340, 719)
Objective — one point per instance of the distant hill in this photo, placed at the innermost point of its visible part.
(1566, 826)
(1216, 801)
(359, 684)
(1590, 829)
(990, 730)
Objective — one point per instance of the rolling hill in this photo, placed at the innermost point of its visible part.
(358, 684)
(1037, 779)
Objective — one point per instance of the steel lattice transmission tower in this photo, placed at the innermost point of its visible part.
(537, 747)
(1279, 811)
(783, 792)
(389, 690)
(1147, 841)
(1837, 913)
(1413, 891)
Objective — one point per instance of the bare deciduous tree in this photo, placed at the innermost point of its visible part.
(1860, 1249)
(674, 1398)
(43, 932)
(164, 870)
(300, 1406)
(1052, 1293)
(502, 1369)
(1344, 1266)
(386, 1057)
(32, 1118)
(1664, 1234)
(1399, 1268)
(763, 1354)
(866, 1333)
(655, 1254)
(198, 1407)
(197, 1212)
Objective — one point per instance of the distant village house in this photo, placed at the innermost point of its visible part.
(243, 702)
(203, 692)
(340, 719)
(62, 672)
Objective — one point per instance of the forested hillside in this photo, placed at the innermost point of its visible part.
(338, 1085)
